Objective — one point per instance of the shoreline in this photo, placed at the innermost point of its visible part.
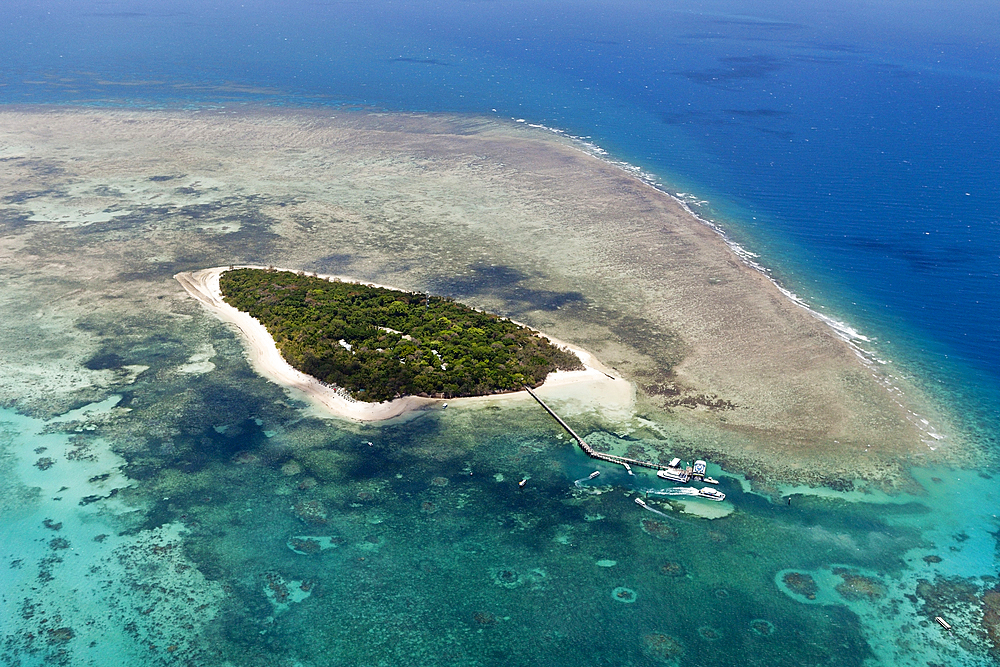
(593, 387)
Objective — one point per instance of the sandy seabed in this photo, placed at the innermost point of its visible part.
(593, 387)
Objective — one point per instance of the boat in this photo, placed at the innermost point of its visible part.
(940, 621)
(674, 475)
(640, 502)
(710, 480)
(628, 468)
(594, 474)
(711, 494)
(700, 468)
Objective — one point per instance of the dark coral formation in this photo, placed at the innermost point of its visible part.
(310, 512)
(662, 647)
(672, 569)
(859, 587)
(802, 584)
(304, 545)
(990, 604)
(658, 529)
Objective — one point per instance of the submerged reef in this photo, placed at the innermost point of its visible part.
(801, 584)
(661, 530)
(662, 648)
(855, 586)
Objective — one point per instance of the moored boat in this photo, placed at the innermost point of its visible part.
(674, 475)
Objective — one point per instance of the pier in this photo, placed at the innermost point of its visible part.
(590, 451)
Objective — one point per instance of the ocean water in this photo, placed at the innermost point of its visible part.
(852, 147)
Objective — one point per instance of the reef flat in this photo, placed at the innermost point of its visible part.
(103, 207)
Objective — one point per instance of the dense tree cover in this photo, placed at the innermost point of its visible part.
(380, 344)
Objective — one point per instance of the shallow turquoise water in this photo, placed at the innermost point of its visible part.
(388, 555)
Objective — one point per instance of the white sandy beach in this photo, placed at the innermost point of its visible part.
(595, 388)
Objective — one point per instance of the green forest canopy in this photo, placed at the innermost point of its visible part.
(381, 344)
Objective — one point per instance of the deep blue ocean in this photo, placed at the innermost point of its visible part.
(853, 146)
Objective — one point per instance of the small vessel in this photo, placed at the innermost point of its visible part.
(943, 623)
(710, 480)
(711, 494)
(673, 474)
(594, 474)
(522, 483)
(628, 468)
(640, 502)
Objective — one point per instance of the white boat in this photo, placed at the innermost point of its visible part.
(710, 480)
(674, 475)
(711, 494)
(700, 467)
(594, 474)
(640, 502)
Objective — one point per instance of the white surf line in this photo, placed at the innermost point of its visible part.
(842, 330)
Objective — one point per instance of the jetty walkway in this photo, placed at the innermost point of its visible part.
(590, 451)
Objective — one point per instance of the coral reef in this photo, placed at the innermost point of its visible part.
(311, 512)
(990, 605)
(672, 569)
(802, 584)
(658, 529)
(622, 594)
(304, 545)
(856, 586)
(662, 648)
(484, 618)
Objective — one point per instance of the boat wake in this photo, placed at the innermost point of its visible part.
(580, 481)
(675, 491)
(642, 503)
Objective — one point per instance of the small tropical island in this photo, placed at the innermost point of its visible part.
(380, 344)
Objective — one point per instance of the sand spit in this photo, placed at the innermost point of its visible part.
(103, 207)
(593, 387)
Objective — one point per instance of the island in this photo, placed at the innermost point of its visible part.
(592, 386)
(380, 344)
